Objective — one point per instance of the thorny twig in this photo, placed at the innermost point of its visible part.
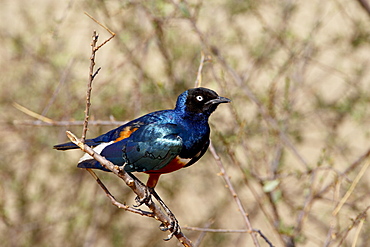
(92, 74)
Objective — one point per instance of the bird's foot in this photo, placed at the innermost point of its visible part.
(146, 199)
(173, 227)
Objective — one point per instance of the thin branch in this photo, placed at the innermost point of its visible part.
(264, 237)
(115, 202)
(103, 26)
(62, 81)
(307, 205)
(357, 234)
(33, 114)
(262, 109)
(92, 74)
(95, 37)
(200, 229)
(96, 73)
(350, 168)
(272, 219)
(351, 188)
(359, 220)
(203, 233)
(198, 81)
(229, 231)
(233, 193)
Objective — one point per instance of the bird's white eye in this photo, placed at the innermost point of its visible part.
(199, 98)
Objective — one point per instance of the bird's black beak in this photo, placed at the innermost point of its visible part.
(218, 100)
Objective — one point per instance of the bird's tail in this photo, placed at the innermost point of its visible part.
(71, 145)
(86, 161)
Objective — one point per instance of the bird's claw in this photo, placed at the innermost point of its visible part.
(146, 199)
(163, 228)
(174, 227)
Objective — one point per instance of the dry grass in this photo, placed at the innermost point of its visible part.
(294, 140)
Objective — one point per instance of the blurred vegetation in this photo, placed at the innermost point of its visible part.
(293, 140)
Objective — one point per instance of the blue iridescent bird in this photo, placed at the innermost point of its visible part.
(159, 142)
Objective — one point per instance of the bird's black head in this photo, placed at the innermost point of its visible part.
(200, 100)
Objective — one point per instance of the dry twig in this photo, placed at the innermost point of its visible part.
(92, 74)
(33, 114)
(198, 81)
(358, 221)
(349, 169)
(351, 188)
(115, 202)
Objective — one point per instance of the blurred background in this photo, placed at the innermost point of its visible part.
(294, 140)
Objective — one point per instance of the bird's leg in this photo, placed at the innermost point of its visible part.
(149, 191)
(147, 195)
(174, 224)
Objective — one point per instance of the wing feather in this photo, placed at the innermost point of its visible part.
(152, 147)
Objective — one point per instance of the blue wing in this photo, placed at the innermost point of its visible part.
(119, 133)
(150, 147)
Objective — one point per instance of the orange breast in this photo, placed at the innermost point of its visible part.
(176, 164)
